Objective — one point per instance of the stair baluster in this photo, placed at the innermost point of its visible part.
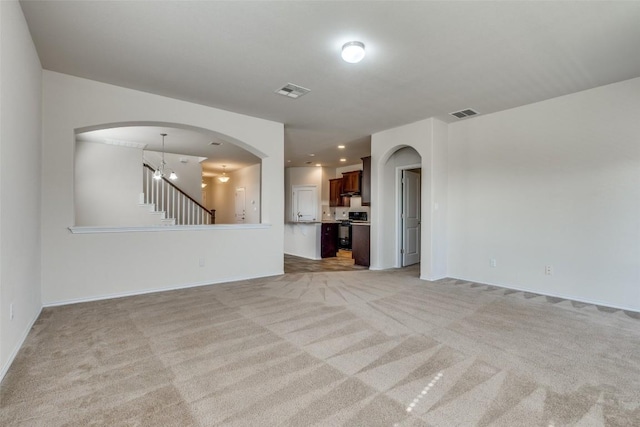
(177, 206)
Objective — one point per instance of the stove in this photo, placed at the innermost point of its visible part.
(344, 229)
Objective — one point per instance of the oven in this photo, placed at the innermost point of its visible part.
(344, 229)
(344, 235)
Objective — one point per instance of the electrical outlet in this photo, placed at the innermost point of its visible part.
(11, 311)
(201, 262)
(548, 270)
(493, 263)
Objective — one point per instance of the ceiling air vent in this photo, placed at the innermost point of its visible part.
(122, 143)
(464, 113)
(292, 91)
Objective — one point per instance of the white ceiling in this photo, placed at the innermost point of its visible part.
(424, 59)
(178, 141)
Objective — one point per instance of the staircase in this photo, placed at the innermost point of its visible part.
(170, 203)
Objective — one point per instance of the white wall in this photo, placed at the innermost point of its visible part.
(348, 168)
(249, 179)
(303, 239)
(20, 181)
(303, 176)
(108, 183)
(88, 266)
(428, 139)
(440, 196)
(220, 194)
(223, 195)
(325, 193)
(553, 183)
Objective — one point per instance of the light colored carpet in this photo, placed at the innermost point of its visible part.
(358, 348)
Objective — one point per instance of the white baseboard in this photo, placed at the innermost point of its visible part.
(567, 297)
(18, 346)
(432, 279)
(302, 256)
(154, 290)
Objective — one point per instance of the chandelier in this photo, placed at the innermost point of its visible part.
(223, 178)
(159, 173)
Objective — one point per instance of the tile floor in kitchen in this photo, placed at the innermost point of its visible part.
(342, 262)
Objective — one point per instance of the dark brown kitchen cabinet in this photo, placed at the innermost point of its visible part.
(351, 182)
(335, 191)
(360, 237)
(365, 185)
(329, 240)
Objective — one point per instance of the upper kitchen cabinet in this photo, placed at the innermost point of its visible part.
(335, 191)
(365, 190)
(351, 182)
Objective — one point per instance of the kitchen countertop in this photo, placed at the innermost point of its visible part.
(361, 223)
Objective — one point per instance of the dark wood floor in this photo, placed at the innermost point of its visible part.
(343, 262)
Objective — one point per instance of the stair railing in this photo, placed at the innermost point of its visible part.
(173, 201)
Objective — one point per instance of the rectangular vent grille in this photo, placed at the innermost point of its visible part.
(464, 113)
(122, 143)
(292, 91)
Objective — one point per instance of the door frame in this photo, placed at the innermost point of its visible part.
(399, 169)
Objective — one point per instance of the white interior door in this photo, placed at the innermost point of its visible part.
(304, 203)
(410, 218)
(240, 205)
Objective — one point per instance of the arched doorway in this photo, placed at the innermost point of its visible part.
(399, 209)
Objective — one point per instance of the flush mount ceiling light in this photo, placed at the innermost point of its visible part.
(353, 52)
(224, 178)
(159, 173)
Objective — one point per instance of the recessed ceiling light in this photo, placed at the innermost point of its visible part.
(343, 160)
(318, 164)
(340, 146)
(353, 52)
(288, 161)
(311, 155)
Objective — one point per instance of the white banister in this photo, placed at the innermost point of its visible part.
(176, 205)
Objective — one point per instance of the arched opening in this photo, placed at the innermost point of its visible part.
(400, 208)
(127, 174)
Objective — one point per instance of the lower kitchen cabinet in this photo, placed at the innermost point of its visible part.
(329, 240)
(360, 238)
